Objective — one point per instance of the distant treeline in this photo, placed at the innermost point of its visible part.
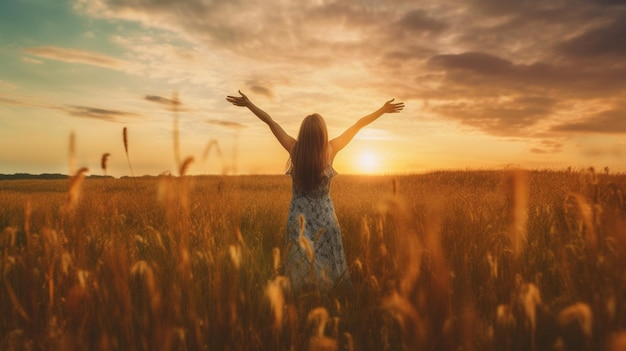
(19, 176)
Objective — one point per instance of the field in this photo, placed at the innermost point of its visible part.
(467, 260)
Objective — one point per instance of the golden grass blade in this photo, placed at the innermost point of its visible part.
(175, 129)
(125, 137)
(103, 162)
(74, 187)
(72, 153)
(518, 191)
(185, 166)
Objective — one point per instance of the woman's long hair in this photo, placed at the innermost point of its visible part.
(309, 156)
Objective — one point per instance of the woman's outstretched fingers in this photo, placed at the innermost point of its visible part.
(398, 107)
(390, 107)
(238, 100)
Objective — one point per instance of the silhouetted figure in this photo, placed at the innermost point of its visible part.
(314, 250)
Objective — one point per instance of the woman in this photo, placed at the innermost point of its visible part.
(315, 255)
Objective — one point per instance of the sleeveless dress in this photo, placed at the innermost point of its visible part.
(315, 257)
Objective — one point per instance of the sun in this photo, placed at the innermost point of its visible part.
(368, 162)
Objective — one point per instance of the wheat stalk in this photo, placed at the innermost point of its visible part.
(176, 134)
(125, 136)
(74, 186)
(72, 152)
(185, 165)
(103, 162)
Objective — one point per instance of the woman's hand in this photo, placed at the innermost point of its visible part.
(239, 100)
(391, 107)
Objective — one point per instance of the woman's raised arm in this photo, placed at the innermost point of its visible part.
(341, 141)
(285, 139)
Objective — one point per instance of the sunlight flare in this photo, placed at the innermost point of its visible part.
(368, 162)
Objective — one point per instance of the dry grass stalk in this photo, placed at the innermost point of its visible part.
(72, 152)
(213, 144)
(275, 292)
(518, 192)
(401, 309)
(317, 319)
(182, 170)
(276, 259)
(529, 298)
(103, 162)
(579, 313)
(304, 242)
(235, 255)
(175, 129)
(125, 137)
(75, 182)
(586, 212)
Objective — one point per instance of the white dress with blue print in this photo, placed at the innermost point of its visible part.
(322, 264)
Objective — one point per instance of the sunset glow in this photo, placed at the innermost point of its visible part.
(486, 84)
(368, 162)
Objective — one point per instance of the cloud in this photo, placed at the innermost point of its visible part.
(605, 122)
(485, 73)
(606, 41)
(226, 124)
(506, 68)
(76, 56)
(163, 101)
(535, 150)
(419, 21)
(547, 147)
(26, 102)
(6, 101)
(31, 60)
(260, 89)
(512, 117)
(72, 110)
(97, 113)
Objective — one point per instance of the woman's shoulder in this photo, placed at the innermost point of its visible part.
(330, 171)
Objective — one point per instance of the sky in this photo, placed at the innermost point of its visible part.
(488, 84)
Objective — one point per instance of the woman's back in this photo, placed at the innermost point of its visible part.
(312, 222)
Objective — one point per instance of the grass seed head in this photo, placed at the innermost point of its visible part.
(103, 162)
(125, 137)
(578, 313)
(185, 166)
(276, 296)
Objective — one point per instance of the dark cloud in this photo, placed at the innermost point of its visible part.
(97, 113)
(72, 110)
(343, 13)
(226, 124)
(605, 122)
(535, 150)
(406, 54)
(486, 74)
(506, 118)
(419, 21)
(260, 89)
(548, 147)
(163, 101)
(608, 40)
(505, 67)
(474, 62)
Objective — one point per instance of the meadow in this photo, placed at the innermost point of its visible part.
(455, 260)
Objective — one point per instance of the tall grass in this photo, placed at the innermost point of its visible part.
(440, 261)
